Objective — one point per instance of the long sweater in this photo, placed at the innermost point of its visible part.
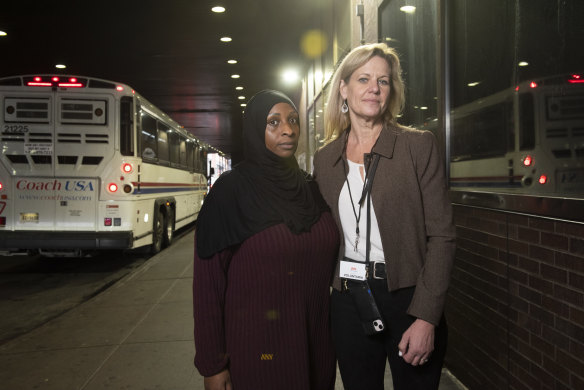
(261, 309)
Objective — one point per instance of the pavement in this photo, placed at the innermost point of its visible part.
(137, 334)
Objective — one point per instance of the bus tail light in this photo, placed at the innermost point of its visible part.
(527, 161)
(1, 186)
(542, 179)
(112, 187)
(127, 168)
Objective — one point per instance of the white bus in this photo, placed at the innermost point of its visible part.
(528, 139)
(89, 164)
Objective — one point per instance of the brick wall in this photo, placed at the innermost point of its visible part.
(516, 302)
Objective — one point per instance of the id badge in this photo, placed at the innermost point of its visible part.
(352, 270)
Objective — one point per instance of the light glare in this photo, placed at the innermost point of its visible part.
(226, 39)
(290, 76)
(408, 9)
(218, 9)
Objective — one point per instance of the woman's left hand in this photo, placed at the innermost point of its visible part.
(417, 343)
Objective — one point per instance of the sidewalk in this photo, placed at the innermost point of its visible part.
(138, 334)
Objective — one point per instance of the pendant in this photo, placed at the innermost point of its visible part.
(356, 242)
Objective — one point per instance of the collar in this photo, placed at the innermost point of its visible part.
(383, 146)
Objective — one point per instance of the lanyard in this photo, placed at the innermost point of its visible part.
(365, 192)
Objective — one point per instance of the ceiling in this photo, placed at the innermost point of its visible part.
(169, 51)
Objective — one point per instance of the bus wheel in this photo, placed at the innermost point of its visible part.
(169, 231)
(158, 233)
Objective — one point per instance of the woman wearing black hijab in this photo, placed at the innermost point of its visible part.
(265, 250)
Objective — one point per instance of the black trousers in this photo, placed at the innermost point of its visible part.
(362, 358)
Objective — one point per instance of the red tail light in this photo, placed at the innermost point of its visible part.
(127, 168)
(112, 187)
(527, 161)
(542, 179)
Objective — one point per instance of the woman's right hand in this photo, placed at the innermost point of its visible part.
(221, 381)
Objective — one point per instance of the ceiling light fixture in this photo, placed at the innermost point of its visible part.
(60, 66)
(218, 9)
(226, 39)
(290, 76)
(238, 88)
(235, 76)
(3, 34)
(232, 62)
(523, 63)
(408, 9)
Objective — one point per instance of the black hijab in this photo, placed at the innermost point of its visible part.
(263, 191)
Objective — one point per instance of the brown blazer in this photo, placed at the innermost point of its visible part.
(413, 212)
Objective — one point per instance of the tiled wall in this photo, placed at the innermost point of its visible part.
(516, 302)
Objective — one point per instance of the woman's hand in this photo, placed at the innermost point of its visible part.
(221, 381)
(417, 343)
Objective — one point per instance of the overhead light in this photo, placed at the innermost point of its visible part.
(232, 61)
(408, 9)
(243, 104)
(523, 63)
(423, 108)
(238, 88)
(226, 39)
(60, 66)
(218, 9)
(241, 97)
(3, 34)
(474, 84)
(235, 76)
(290, 76)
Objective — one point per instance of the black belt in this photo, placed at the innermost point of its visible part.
(378, 270)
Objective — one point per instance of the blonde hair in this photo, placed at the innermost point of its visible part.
(335, 121)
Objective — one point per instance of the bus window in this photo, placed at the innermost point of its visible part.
(526, 122)
(126, 131)
(182, 159)
(190, 154)
(148, 145)
(173, 145)
(163, 149)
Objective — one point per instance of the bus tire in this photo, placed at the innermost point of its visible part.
(157, 233)
(168, 228)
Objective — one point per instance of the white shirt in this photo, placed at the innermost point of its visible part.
(348, 220)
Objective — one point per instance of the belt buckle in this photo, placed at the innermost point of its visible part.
(375, 270)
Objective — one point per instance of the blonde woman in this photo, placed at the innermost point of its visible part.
(405, 253)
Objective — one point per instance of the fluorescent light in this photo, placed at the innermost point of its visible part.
(523, 63)
(60, 66)
(474, 84)
(3, 34)
(218, 9)
(408, 9)
(235, 76)
(226, 39)
(232, 61)
(241, 97)
(238, 88)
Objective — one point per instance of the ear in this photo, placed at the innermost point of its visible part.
(343, 89)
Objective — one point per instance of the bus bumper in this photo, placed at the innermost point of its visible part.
(19, 240)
